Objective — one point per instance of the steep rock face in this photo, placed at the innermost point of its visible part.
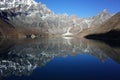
(24, 16)
(36, 16)
(26, 11)
(109, 28)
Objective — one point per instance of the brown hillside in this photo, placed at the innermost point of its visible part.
(112, 24)
(7, 30)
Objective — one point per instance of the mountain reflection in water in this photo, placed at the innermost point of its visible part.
(21, 57)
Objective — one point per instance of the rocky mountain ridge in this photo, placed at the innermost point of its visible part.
(109, 30)
(34, 16)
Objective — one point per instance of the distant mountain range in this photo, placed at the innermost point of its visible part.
(27, 17)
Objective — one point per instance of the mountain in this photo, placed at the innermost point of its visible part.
(8, 4)
(32, 18)
(25, 11)
(108, 30)
(95, 21)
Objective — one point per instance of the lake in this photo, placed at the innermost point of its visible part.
(51, 58)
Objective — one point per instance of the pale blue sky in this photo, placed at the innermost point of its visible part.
(82, 8)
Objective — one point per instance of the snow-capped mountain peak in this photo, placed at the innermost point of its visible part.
(22, 13)
(8, 4)
(29, 8)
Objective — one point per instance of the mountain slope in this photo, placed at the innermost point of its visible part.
(109, 28)
(6, 29)
(34, 16)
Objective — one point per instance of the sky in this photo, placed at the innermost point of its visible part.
(82, 8)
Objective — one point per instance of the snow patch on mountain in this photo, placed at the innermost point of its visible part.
(29, 14)
(8, 4)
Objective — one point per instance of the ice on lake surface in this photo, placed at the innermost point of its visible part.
(59, 59)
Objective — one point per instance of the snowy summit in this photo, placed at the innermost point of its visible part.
(8, 4)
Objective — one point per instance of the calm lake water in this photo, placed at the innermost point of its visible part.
(59, 59)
